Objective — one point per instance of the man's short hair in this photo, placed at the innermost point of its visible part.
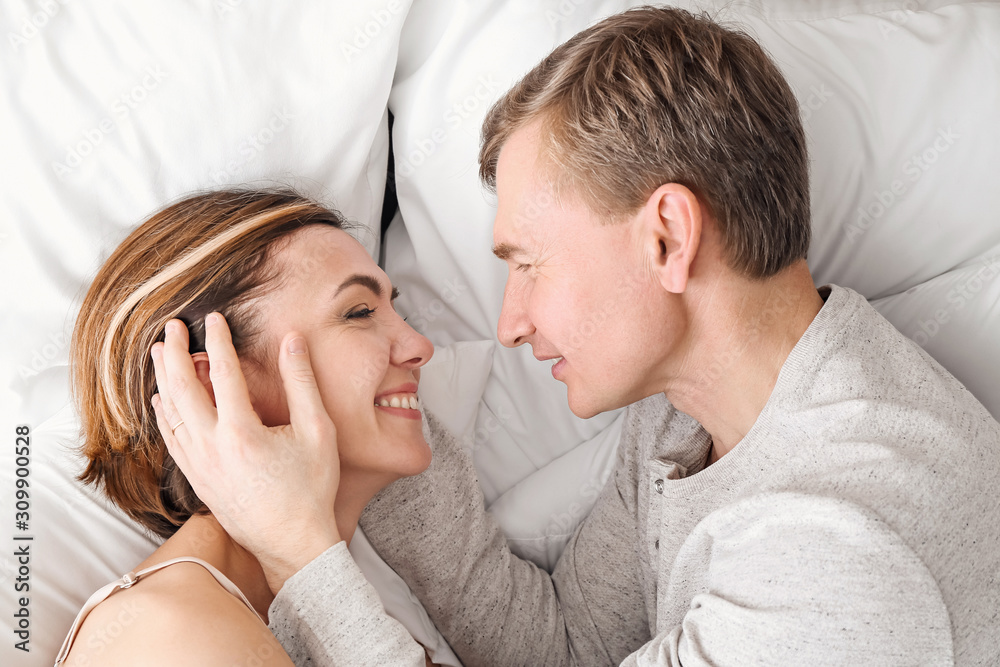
(653, 96)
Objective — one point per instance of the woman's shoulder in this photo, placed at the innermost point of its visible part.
(179, 614)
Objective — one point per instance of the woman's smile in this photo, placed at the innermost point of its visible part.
(401, 401)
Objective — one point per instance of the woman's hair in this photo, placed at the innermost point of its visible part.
(208, 252)
(657, 95)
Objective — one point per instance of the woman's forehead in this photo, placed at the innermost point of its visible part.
(323, 252)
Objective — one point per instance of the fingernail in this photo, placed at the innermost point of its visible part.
(211, 320)
(173, 327)
(156, 401)
(297, 345)
(156, 353)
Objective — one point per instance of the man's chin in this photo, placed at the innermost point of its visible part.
(586, 407)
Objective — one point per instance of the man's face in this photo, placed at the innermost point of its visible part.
(579, 292)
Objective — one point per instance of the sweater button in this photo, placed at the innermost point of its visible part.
(658, 485)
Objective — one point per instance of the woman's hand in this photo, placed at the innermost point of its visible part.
(272, 489)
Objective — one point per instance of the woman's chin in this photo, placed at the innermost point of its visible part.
(404, 458)
(418, 461)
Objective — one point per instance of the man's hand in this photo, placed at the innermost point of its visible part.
(272, 489)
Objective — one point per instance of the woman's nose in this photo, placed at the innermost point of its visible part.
(411, 349)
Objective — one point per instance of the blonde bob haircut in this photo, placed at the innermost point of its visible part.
(656, 95)
(208, 252)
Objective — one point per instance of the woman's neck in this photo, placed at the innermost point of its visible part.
(203, 537)
(356, 490)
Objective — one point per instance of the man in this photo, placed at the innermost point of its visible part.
(797, 483)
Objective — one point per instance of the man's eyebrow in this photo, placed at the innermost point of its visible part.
(371, 282)
(505, 250)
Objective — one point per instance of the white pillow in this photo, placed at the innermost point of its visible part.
(109, 112)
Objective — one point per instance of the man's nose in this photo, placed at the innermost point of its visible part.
(514, 327)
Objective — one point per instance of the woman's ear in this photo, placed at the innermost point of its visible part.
(201, 369)
(671, 230)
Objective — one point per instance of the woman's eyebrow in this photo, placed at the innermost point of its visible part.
(371, 282)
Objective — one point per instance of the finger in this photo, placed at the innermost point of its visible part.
(169, 439)
(232, 399)
(305, 406)
(166, 405)
(190, 400)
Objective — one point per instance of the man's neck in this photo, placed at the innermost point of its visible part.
(737, 343)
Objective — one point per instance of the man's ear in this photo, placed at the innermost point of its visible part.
(671, 232)
(201, 369)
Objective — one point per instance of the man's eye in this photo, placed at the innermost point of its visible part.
(361, 313)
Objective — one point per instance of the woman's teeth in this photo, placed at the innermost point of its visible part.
(399, 401)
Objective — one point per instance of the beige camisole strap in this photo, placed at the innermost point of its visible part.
(128, 581)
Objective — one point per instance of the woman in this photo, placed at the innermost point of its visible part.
(268, 262)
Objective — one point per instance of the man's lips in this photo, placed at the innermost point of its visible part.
(556, 367)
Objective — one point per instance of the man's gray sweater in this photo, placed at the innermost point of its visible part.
(858, 522)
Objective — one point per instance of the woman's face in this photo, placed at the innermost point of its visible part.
(365, 357)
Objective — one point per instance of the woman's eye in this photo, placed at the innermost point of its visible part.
(523, 267)
(361, 313)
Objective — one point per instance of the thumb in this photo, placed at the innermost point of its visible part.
(305, 406)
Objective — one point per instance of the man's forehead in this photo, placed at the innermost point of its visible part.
(522, 222)
(514, 235)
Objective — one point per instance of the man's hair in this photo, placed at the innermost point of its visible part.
(208, 252)
(654, 96)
